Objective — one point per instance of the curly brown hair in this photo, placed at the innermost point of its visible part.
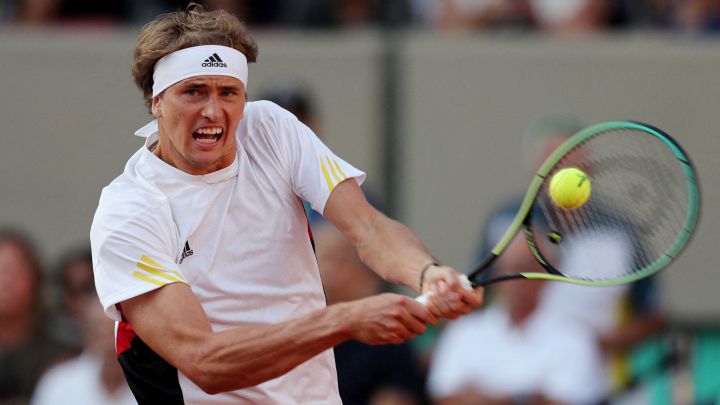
(194, 26)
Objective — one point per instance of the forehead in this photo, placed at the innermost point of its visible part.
(211, 80)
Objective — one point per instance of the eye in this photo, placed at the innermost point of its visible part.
(192, 92)
(229, 93)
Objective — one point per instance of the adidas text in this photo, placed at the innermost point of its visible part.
(214, 64)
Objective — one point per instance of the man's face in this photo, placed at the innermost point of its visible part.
(198, 118)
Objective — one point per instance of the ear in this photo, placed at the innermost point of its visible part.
(156, 106)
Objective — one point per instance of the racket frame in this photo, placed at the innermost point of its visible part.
(522, 218)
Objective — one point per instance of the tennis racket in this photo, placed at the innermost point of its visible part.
(642, 210)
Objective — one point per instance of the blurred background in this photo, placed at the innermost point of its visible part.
(433, 98)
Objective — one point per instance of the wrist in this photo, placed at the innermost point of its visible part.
(423, 271)
(341, 319)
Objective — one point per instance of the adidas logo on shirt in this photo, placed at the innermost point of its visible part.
(214, 61)
(186, 252)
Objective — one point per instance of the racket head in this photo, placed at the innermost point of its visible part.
(642, 211)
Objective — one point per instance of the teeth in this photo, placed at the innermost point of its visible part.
(207, 140)
(209, 131)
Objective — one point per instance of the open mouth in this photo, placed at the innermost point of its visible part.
(208, 135)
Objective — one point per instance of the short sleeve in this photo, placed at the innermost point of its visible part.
(132, 255)
(314, 169)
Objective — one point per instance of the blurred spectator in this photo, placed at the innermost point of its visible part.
(75, 281)
(689, 16)
(262, 13)
(513, 352)
(552, 16)
(346, 13)
(570, 16)
(471, 14)
(73, 11)
(8, 10)
(372, 375)
(619, 317)
(93, 378)
(296, 97)
(602, 323)
(26, 348)
(89, 12)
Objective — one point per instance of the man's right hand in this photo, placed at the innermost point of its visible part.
(386, 318)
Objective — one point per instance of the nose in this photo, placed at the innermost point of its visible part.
(211, 110)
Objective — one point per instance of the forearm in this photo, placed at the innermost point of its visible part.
(386, 246)
(396, 254)
(393, 251)
(173, 324)
(248, 356)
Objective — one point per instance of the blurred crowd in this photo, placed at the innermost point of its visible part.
(56, 344)
(553, 16)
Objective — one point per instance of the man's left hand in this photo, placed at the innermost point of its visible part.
(449, 299)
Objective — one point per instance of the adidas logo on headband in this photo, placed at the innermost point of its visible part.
(214, 61)
(183, 64)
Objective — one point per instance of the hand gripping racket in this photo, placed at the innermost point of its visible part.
(642, 210)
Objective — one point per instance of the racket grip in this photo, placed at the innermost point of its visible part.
(464, 281)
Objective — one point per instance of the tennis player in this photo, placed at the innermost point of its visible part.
(202, 250)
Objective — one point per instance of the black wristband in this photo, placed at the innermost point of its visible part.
(424, 269)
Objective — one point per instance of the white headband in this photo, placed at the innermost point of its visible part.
(203, 60)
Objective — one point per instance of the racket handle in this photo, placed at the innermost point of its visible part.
(464, 281)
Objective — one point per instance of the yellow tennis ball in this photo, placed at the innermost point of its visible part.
(570, 188)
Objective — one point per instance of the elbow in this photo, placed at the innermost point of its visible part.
(205, 379)
(212, 384)
(210, 387)
(212, 377)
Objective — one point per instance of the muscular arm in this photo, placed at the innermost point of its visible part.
(171, 322)
(395, 253)
(385, 245)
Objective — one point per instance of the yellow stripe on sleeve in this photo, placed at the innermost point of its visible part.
(332, 169)
(157, 265)
(143, 277)
(152, 262)
(329, 181)
(337, 166)
(157, 272)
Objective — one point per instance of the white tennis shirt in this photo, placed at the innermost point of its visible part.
(238, 236)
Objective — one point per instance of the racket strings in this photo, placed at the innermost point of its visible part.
(637, 206)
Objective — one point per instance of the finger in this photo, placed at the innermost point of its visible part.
(422, 312)
(402, 326)
(392, 337)
(405, 334)
(450, 277)
(433, 308)
(439, 298)
(415, 326)
(460, 301)
(473, 298)
(412, 318)
(458, 307)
